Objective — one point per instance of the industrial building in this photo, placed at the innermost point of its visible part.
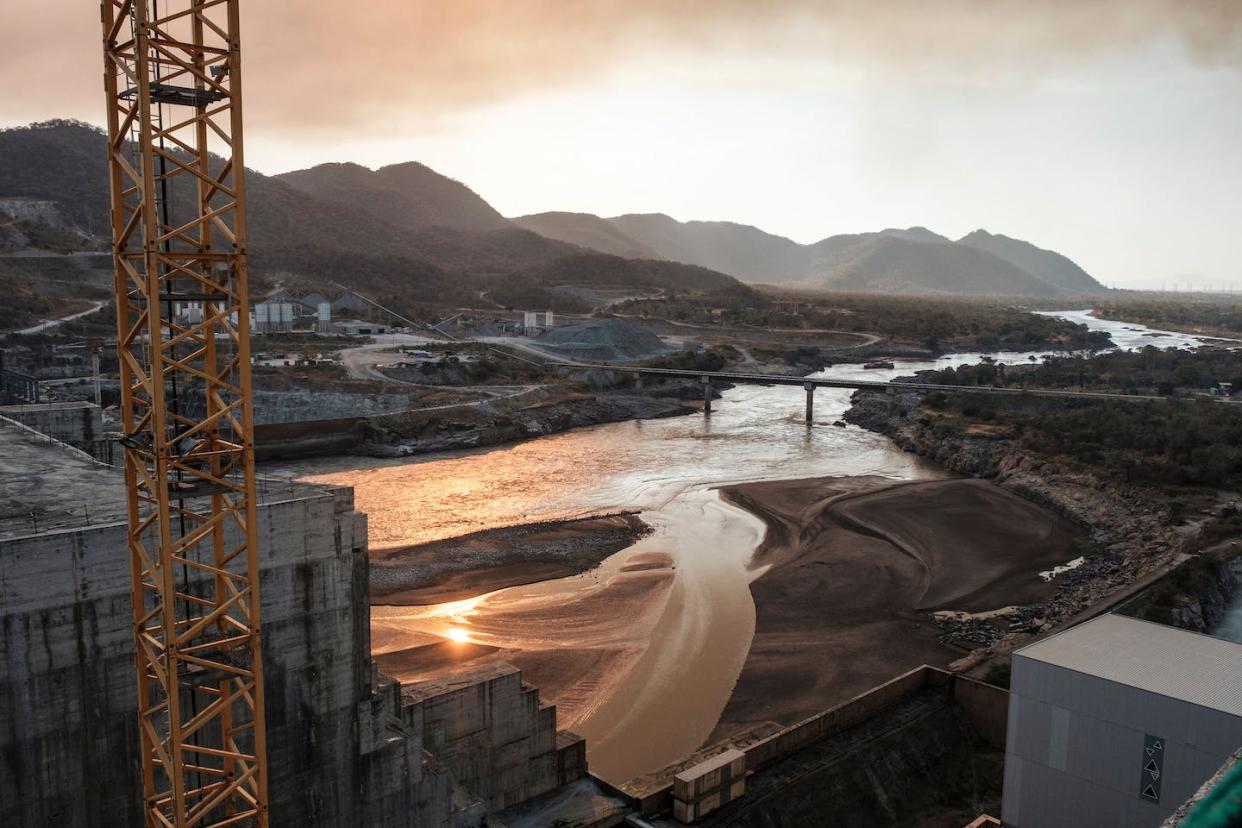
(1117, 722)
(356, 327)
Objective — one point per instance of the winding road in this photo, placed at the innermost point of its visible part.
(48, 324)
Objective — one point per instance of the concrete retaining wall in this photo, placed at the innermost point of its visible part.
(857, 709)
(987, 709)
(69, 422)
(309, 438)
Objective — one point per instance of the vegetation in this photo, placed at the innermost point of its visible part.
(1196, 441)
(937, 324)
(25, 307)
(21, 309)
(711, 359)
(1196, 578)
(1214, 314)
(1149, 371)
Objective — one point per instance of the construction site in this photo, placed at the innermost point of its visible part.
(229, 596)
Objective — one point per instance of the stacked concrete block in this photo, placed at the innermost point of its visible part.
(492, 732)
(714, 782)
(571, 761)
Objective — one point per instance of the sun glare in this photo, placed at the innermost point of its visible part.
(459, 635)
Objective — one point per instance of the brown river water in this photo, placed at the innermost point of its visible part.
(642, 653)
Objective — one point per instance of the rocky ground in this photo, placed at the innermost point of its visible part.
(485, 424)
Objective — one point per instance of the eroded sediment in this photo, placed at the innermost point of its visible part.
(851, 570)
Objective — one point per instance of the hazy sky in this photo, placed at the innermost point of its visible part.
(1108, 130)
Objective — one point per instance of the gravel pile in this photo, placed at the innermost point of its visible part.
(604, 340)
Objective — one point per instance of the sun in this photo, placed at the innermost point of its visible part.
(459, 635)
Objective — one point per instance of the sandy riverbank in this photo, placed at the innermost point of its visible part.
(563, 633)
(455, 569)
(844, 582)
(850, 570)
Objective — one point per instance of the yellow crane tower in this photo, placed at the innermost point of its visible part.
(173, 83)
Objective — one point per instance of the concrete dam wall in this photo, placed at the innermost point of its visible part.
(339, 752)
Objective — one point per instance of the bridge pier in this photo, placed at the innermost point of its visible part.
(707, 394)
(810, 402)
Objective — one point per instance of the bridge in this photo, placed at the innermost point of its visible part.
(709, 378)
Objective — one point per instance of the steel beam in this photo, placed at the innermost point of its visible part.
(172, 76)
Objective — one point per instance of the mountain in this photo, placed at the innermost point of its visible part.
(737, 249)
(406, 229)
(602, 270)
(403, 230)
(409, 195)
(909, 260)
(62, 161)
(740, 250)
(893, 264)
(66, 162)
(586, 230)
(828, 254)
(1052, 267)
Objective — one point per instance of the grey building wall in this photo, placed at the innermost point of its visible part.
(339, 753)
(1077, 745)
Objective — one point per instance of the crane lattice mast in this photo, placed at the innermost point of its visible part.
(173, 84)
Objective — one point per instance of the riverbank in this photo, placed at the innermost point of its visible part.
(846, 586)
(852, 569)
(1130, 531)
(533, 412)
(456, 569)
(1211, 320)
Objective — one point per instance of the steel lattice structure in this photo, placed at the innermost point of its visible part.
(173, 84)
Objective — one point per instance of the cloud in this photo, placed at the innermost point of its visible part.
(317, 63)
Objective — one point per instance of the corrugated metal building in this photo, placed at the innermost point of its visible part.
(1117, 721)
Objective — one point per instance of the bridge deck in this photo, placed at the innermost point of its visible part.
(879, 385)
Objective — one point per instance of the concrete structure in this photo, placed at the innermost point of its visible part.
(16, 387)
(70, 422)
(496, 738)
(339, 752)
(347, 745)
(886, 757)
(702, 788)
(1116, 722)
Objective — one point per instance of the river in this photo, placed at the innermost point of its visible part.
(642, 653)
